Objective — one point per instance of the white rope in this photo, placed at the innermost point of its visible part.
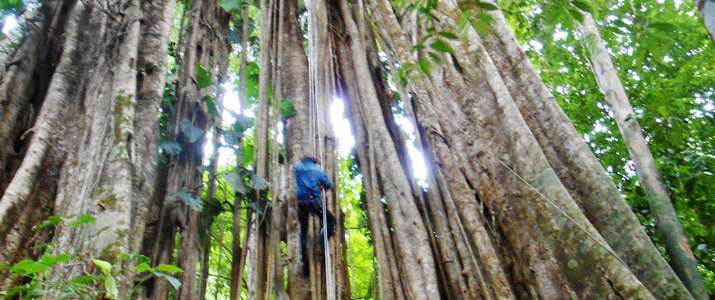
(315, 136)
(558, 208)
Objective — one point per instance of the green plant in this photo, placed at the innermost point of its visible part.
(99, 279)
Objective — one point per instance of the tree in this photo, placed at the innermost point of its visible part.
(80, 111)
(670, 228)
(516, 205)
(707, 11)
(568, 154)
(203, 64)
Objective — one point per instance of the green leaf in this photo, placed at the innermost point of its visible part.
(236, 182)
(83, 220)
(248, 152)
(175, 283)
(259, 183)
(193, 133)
(110, 286)
(582, 5)
(403, 73)
(232, 138)
(28, 266)
(141, 258)
(242, 123)
(425, 66)
(143, 267)
(189, 199)
(203, 77)
(576, 14)
(51, 221)
(441, 46)
(37, 293)
(287, 109)
(435, 57)
(448, 35)
(663, 110)
(69, 293)
(52, 260)
(171, 269)
(230, 5)
(171, 148)
(487, 6)
(104, 266)
(664, 26)
(83, 279)
(211, 106)
(418, 47)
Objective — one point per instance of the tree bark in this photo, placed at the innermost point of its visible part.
(238, 255)
(204, 46)
(258, 257)
(707, 12)
(667, 222)
(579, 170)
(417, 269)
(516, 207)
(92, 138)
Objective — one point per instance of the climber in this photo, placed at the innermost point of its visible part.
(310, 180)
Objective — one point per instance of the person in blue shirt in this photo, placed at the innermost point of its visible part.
(310, 181)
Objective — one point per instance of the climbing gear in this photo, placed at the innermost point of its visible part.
(314, 127)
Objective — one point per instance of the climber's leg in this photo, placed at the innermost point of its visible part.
(303, 217)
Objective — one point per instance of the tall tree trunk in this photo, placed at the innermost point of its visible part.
(294, 88)
(579, 170)
(332, 280)
(412, 242)
(564, 245)
(707, 12)
(667, 222)
(238, 254)
(211, 191)
(93, 139)
(23, 85)
(204, 52)
(258, 253)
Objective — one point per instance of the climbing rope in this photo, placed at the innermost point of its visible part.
(558, 208)
(315, 136)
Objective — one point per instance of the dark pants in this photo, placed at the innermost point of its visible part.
(305, 209)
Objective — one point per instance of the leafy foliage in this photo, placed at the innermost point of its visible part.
(664, 55)
(287, 109)
(98, 282)
(171, 148)
(189, 199)
(203, 77)
(231, 5)
(192, 133)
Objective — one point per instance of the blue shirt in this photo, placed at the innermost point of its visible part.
(308, 178)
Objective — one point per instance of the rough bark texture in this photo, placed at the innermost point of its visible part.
(294, 87)
(509, 258)
(707, 12)
(667, 222)
(85, 117)
(238, 254)
(410, 238)
(258, 256)
(204, 47)
(577, 167)
(517, 207)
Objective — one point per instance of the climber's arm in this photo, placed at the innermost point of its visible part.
(325, 182)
